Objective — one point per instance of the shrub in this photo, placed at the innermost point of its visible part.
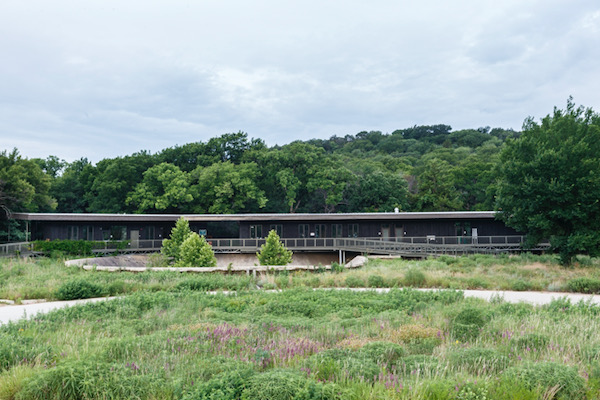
(375, 281)
(466, 325)
(520, 285)
(341, 364)
(563, 380)
(225, 386)
(171, 246)
(78, 289)
(415, 277)
(477, 360)
(354, 282)
(273, 252)
(584, 285)
(288, 385)
(386, 353)
(418, 364)
(337, 268)
(18, 350)
(56, 248)
(91, 379)
(196, 252)
(12, 381)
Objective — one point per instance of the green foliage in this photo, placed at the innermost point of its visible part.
(467, 324)
(549, 183)
(532, 341)
(273, 252)
(17, 349)
(67, 247)
(171, 246)
(415, 278)
(208, 282)
(196, 252)
(341, 364)
(478, 360)
(383, 353)
(563, 380)
(228, 385)
(584, 285)
(78, 289)
(375, 281)
(288, 385)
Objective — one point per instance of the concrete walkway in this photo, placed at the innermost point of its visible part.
(16, 312)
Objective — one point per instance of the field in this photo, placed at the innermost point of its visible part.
(170, 340)
(304, 344)
(42, 278)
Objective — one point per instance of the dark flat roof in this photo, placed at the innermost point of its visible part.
(88, 217)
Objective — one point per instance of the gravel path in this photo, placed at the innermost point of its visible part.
(16, 312)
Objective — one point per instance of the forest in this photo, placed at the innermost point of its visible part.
(423, 168)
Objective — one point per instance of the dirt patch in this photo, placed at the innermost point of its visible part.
(223, 260)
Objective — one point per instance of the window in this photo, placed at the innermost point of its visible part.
(303, 230)
(256, 231)
(336, 230)
(278, 228)
(118, 232)
(147, 233)
(88, 232)
(320, 231)
(352, 230)
(73, 232)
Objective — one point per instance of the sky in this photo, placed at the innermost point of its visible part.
(107, 78)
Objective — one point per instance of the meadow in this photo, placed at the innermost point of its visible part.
(304, 344)
(46, 278)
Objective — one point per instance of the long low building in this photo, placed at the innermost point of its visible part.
(392, 226)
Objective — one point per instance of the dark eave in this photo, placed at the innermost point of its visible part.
(401, 216)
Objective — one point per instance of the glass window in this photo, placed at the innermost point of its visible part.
(336, 230)
(320, 231)
(256, 231)
(352, 230)
(73, 232)
(88, 232)
(303, 230)
(278, 228)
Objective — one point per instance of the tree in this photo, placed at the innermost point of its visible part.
(273, 252)
(196, 252)
(164, 188)
(171, 246)
(549, 181)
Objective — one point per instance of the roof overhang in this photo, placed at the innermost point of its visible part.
(401, 216)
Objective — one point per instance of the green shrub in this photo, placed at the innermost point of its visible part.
(375, 281)
(477, 360)
(59, 247)
(423, 345)
(520, 285)
(550, 376)
(354, 282)
(281, 384)
(12, 381)
(91, 379)
(506, 388)
(78, 289)
(341, 364)
(418, 364)
(196, 252)
(17, 349)
(273, 252)
(584, 285)
(415, 278)
(467, 324)
(386, 353)
(225, 386)
(337, 268)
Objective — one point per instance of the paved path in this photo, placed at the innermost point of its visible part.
(16, 312)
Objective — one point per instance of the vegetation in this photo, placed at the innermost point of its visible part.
(549, 183)
(273, 252)
(303, 344)
(196, 252)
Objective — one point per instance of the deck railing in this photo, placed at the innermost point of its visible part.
(428, 245)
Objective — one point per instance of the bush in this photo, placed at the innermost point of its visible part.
(273, 252)
(550, 376)
(354, 282)
(16, 350)
(584, 285)
(341, 364)
(375, 281)
(78, 289)
(59, 247)
(532, 341)
(520, 285)
(477, 360)
(225, 386)
(196, 252)
(385, 353)
(90, 379)
(418, 364)
(466, 325)
(415, 278)
(288, 385)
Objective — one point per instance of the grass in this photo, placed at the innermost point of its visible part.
(22, 279)
(303, 344)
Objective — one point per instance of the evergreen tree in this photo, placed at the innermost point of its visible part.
(171, 247)
(196, 252)
(273, 252)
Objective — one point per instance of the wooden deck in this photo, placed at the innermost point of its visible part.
(407, 246)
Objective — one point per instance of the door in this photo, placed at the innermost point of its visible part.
(385, 232)
(135, 239)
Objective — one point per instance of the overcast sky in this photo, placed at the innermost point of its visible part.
(106, 78)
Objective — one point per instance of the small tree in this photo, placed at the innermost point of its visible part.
(196, 252)
(273, 252)
(171, 247)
